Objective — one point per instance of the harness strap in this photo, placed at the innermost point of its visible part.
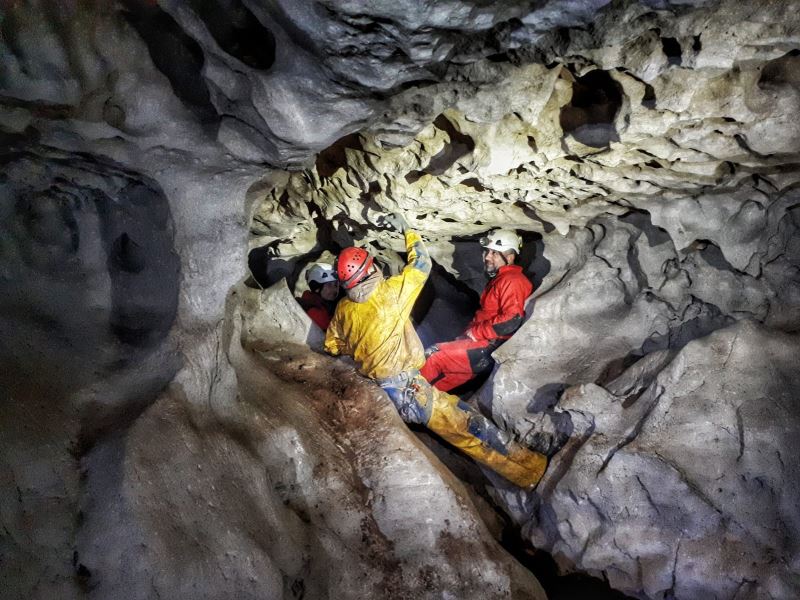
(402, 379)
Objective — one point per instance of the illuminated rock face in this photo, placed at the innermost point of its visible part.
(646, 153)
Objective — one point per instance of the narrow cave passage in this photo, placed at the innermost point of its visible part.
(178, 181)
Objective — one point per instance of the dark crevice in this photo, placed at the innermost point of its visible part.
(649, 98)
(617, 367)
(589, 116)
(781, 71)
(127, 255)
(641, 220)
(672, 50)
(713, 256)
(175, 54)
(473, 183)
(414, 176)
(460, 145)
(237, 31)
(557, 586)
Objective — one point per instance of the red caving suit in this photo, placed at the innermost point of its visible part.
(317, 308)
(500, 315)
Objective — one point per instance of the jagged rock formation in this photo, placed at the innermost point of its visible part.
(684, 488)
(648, 153)
(300, 488)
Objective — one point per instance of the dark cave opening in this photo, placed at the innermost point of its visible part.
(237, 31)
(672, 50)
(179, 57)
(334, 157)
(589, 116)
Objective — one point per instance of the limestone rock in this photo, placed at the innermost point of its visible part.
(646, 151)
(688, 489)
(301, 480)
(275, 316)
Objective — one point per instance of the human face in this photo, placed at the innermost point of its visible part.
(492, 261)
(329, 291)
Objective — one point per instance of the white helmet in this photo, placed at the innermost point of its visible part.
(502, 240)
(320, 274)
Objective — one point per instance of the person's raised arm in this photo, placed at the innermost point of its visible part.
(408, 284)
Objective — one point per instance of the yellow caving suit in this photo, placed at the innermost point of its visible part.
(379, 335)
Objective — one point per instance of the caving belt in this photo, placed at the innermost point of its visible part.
(411, 395)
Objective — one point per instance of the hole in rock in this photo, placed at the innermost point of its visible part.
(175, 54)
(414, 176)
(473, 183)
(460, 145)
(712, 255)
(127, 255)
(589, 116)
(557, 586)
(649, 98)
(696, 44)
(672, 50)
(445, 306)
(237, 31)
(641, 219)
(267, 267)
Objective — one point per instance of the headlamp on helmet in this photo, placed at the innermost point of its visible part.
(502, 240)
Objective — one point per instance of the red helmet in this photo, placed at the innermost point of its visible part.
(352, 266)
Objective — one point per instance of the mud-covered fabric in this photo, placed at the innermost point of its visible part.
(476, 436)
(378, 332)
(414, 401)
(361, 291)
(465, 428)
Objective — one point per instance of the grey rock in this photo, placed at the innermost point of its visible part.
(698, 457)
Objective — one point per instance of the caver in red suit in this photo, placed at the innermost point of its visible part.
(319, 301)
(451, 364)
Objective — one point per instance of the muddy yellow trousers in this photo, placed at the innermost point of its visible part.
(465, 428)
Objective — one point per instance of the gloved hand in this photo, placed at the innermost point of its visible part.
(430, 350)
(396, 221)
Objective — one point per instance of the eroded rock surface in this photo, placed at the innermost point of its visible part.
(685, 490)
(647, 152)
(307, 458)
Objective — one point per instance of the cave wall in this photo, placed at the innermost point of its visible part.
(646, 150)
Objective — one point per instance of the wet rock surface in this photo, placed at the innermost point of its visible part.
(160, 440)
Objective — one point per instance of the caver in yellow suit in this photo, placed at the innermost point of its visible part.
(373, 325)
